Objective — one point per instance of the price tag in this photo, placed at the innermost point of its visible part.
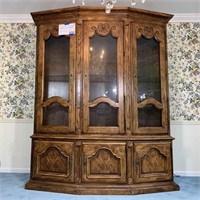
(66, 29)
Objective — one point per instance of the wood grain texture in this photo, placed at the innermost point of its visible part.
(80, 158)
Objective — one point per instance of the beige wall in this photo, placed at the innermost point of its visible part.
(15, 146)
(186, 148)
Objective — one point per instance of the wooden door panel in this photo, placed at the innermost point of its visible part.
(54, 161)
(103, 94)
(104, 162)
(55, 77)
(149, 80)
(152, 161)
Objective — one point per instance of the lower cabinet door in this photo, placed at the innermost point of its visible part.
(152, 161)
(53, 161)
(104, 162)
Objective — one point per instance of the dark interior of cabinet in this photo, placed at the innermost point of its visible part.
(56, 80)
(103, 80)
(55, 115)
(148, 82)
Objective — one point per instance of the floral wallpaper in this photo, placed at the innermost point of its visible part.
(184, 71)
(17, 70)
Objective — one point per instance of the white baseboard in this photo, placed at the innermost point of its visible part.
(16, 170)
(187, 173)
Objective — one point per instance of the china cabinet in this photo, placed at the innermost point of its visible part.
(101, 105)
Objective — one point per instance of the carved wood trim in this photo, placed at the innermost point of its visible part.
(149, 32)
(103, 100)
(151, 101)
(50, 30)
(56, 99)
(103, 29)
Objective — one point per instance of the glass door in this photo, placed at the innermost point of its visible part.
(103, 78)
(55, 78)
(150, 81)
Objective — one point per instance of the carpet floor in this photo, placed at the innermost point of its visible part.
(12, 188)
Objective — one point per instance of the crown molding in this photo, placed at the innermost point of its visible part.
(185, 17)
(26, 18)
(16, 18)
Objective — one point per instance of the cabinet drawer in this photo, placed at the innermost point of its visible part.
(104, 162)
(152, 161)
(54, 161)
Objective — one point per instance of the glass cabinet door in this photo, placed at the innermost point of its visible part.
(56, 92)
(150, 82)
(103, 78)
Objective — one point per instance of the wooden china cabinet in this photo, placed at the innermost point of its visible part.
(101, 106)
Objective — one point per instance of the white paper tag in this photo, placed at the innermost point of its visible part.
(66, 29)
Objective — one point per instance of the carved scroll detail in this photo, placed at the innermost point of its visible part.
(53, 30)
(149, 32)
(104, 29)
